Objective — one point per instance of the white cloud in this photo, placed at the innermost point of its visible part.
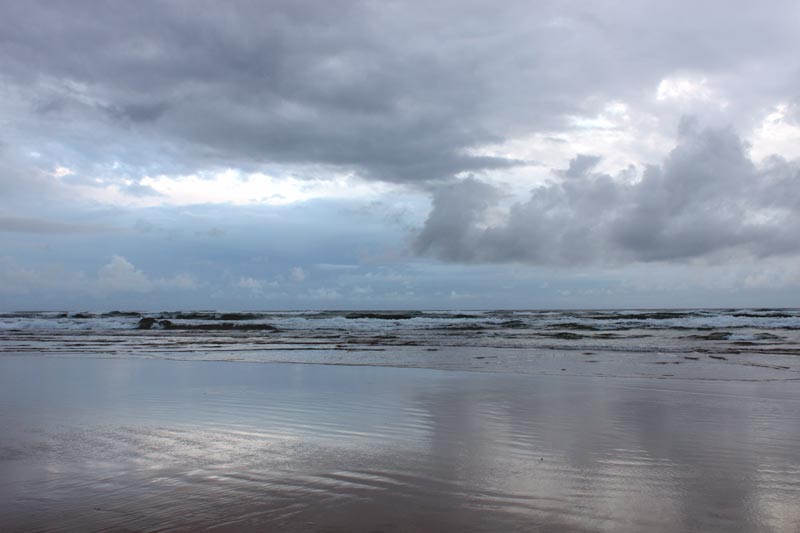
(231, 187)
(298, 274)
(119, 275)
(685, 88)
(60, 172)
(777, 133)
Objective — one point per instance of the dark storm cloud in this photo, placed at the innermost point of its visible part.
(392, 91)
(247, 83)
(147, 112)
(451, 229)
(706, 197)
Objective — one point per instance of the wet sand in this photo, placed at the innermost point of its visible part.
(136, 444)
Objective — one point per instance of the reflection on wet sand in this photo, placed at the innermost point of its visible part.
(136, 444)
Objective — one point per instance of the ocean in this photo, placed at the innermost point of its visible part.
(702, 344)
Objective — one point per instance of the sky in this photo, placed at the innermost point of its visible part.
(399, 155)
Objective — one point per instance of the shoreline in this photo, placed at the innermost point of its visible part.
(72, 355)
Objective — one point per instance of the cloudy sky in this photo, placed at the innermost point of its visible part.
(381, 154)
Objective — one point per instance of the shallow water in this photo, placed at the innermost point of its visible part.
(97, 444)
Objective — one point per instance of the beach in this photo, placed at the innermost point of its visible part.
(383, 267)
(95, 444)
